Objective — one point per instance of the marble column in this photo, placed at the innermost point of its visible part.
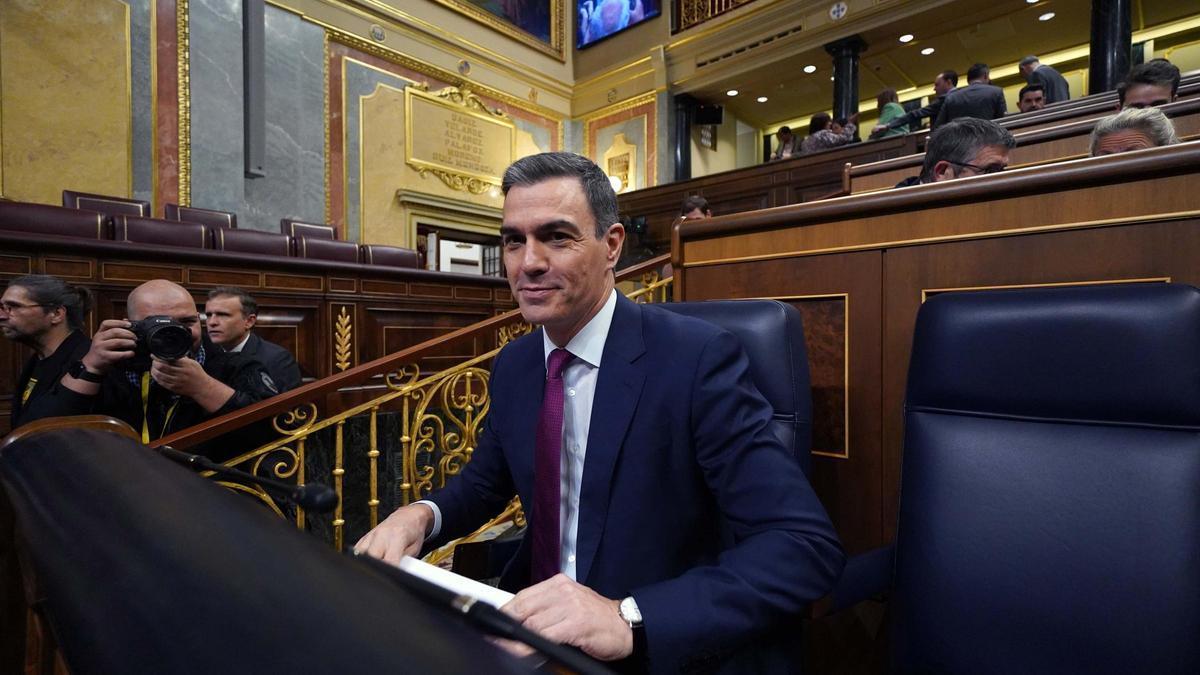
(845, 54)
(1111, 42)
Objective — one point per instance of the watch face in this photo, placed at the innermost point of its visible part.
(629, 611)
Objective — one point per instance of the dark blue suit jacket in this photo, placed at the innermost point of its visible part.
(689, 503)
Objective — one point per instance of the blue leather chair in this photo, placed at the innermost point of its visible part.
(1050, 493)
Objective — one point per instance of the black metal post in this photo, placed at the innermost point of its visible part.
(845, 74)
(1112, 38)
(685, 108)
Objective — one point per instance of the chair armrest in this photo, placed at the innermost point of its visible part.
(866, 575)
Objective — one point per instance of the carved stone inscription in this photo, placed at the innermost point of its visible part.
(446, 136)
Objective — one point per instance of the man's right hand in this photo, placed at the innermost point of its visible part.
(400, 534)
(113, 343)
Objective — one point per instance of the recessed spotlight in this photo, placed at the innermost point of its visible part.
(927, 51)
(761, 99)
(907, 37)
(1032, 2)
(1046, 17)
(732, 92)
(810, 69)
(831, 78)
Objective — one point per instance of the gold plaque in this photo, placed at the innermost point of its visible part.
(455, 136)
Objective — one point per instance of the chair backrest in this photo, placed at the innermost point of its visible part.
(772, 333)
(55, 220)
(392, 256)
(160, 232)
(297, 228)
(251, 241)
(213, 219)
(1050, 495)
(113, 206)
(321, 248)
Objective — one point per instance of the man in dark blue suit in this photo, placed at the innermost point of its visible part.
(668, 527)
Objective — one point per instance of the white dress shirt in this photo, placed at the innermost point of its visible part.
(579, 390)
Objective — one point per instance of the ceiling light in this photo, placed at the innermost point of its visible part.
(732, 92)
(615, 182)
(1032, 2)
(1046, 17)
(831, 78)
(810, 69)
(762, 99)
(927, 51)
(907, 37)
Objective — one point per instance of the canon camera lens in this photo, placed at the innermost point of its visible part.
(163, 337)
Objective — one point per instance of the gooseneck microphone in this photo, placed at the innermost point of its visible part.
(311, 497)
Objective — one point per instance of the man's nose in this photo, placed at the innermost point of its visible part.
(534, 259)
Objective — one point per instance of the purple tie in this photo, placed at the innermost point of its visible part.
(547, 472)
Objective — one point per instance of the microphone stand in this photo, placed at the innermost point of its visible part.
(486, 618)
(312, 497)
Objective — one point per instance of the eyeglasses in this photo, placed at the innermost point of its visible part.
(990, 168)
(10, 307)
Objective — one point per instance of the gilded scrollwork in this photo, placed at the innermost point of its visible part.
(441, 425)
(297, 421)
(456, 181)
(513, 331)
(343, 337)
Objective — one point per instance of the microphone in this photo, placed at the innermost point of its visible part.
(312, 497)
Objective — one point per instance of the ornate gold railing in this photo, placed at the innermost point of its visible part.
(695, 12)
(437, 416)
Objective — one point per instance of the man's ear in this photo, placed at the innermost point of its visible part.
(943, 170)
(251, 320)
(614, 240)
(58, 315)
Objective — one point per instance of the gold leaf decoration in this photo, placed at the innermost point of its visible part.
(513, 331)
(343, 332)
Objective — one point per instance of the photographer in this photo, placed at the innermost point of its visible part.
(148, 372)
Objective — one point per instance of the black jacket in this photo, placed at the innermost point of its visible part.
(39, 376)
(280, 364)
(914, 117)
(979, 100)
(1053, 83)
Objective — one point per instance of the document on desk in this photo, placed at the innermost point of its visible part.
(455, 582)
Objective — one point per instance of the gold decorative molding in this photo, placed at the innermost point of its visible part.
(650, 170)
(513, 331)
(459, 101)
(184, 77)
(453, 78)
(343, 336)
(556, 46)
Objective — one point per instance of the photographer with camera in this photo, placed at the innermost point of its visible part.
(157, 371)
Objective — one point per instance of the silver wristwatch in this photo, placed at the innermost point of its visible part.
(630, 613)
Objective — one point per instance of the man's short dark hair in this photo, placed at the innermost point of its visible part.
(1028, 88)
(1155, 72)
(950, 76)
(959, 141)
(51, 293)
(692, 203)
(249, 304)
(818, 122)
(784, 130)
(597, 189)
(1029, 61)
(977, 71)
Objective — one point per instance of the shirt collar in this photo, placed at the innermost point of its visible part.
(241, 344)
(588, 343)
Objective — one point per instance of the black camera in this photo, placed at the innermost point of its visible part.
(160, 336)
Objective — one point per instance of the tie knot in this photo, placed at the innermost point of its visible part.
(557, 362)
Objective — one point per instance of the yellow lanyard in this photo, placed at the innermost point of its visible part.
(146, 410)
(28, 391)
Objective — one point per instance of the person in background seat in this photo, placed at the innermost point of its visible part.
(1153, 83)
(695, 207)
(979, 99)
(1031, 97)
(1132, 129)
(964, 148)
(825, 133)
(1052, 82)
(230, 317)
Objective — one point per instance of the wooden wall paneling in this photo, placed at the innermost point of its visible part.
(841, 302)
(392, 329)
(1137, 253)
(283, 320)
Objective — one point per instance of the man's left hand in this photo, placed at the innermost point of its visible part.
(186, 377)
(570, 613)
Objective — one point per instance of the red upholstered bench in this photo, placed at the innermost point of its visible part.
(53, 220)
(392, 256)
(208, 217)
(160, 232)
(252, 241)
(113, 206)
(326, 249)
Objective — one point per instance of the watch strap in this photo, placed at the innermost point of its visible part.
(80, 372)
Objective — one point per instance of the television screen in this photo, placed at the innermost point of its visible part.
(600, 18)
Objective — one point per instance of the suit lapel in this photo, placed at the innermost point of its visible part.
(523, 395)
(617, 391)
